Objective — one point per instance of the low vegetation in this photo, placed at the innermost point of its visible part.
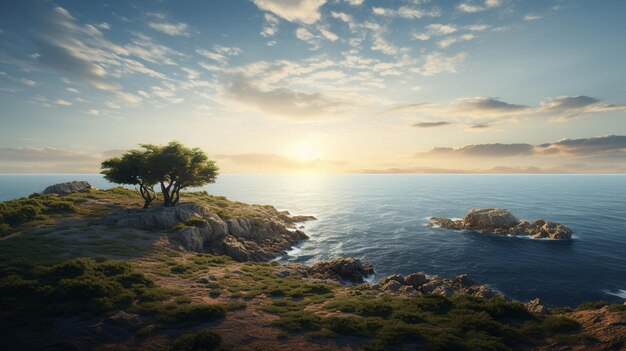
(202, 340)
(40, 208)
(439, 323)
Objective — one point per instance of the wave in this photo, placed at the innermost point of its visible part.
(619, 293)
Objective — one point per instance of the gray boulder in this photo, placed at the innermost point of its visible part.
(68, 187)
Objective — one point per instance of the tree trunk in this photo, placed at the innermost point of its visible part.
(148, 195)
(167, 202)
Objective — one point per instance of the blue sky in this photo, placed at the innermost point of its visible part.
(412, 86)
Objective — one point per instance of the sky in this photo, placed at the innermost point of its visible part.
(330, 86)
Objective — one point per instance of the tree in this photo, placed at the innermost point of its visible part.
(178, 167)
(133, 168)
(173, 166)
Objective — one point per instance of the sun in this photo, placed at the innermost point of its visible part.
(305, 151)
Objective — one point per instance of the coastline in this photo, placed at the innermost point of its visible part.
(277, 301)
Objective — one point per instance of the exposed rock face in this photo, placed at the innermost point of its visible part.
(66, 188)
(501, 221)
(418, 283)
(346, 269)
(535, 306)
(243, 239)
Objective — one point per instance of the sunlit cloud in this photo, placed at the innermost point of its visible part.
(305, 11)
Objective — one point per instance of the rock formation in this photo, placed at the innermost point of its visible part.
(501, 221)
(242, 238)
(345, 269)
(419, 283)
(68, 187)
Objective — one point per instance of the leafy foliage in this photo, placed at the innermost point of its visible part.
(173, 166)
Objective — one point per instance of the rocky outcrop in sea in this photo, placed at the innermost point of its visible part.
(502, 221)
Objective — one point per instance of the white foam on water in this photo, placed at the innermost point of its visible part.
(619, 293)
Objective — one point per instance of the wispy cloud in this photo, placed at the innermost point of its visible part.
(305, 11)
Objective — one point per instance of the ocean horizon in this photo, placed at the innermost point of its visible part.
(382, 219)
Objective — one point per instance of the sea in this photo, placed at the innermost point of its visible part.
(383, 219)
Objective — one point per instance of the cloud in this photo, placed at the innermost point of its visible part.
(405, 12)
(45, 154)
(308, 37)
(480, 106)
(436, 63)
(305, 11)
(444, 43)
(469, 8)
(75, 51)
(355, 2)
(271, 26)
(285, 102)
(431, 124)
(482, 112)
(173, 29)
(483, 150)
(51, 160)
(493, 3)
(531, 17)
(435, 29)
(586, 146)
(568, 107)
(62, 102)
(593, 149)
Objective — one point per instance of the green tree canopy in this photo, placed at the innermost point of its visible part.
(132, 168)
(173, 166)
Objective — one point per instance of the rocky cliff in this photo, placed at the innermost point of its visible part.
(197, 228)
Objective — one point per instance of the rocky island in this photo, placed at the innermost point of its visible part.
(90, 270)
(502, 221)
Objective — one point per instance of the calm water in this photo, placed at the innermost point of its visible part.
(382, 219)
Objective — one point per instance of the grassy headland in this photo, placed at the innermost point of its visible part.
(62, 272)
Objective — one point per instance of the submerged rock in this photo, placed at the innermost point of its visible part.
(502, 221)
(347, 269)
(68, 187)
(243, 239)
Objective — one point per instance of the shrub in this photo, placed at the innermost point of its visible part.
(185, 315)
(202, 340)
(591, 305)
(78, 286)
(5, 229)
